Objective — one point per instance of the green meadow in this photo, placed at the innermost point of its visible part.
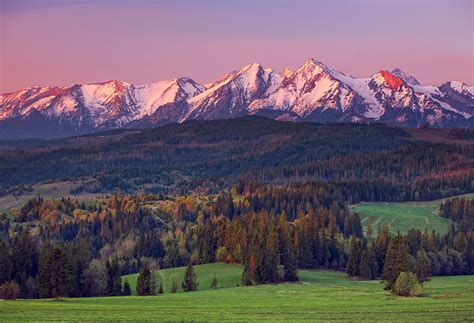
(404, 215)
(227, 276)
(320, 296)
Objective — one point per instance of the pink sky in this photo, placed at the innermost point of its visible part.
(54, 42)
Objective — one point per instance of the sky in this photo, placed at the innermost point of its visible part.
(65, 42)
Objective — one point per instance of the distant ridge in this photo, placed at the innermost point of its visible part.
(313, 92)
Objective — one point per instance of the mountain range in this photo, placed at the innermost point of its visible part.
(314, 92)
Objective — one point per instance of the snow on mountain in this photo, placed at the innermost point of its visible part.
(311, 87)
(407, 78)
(313, 92)
(232, 94)
(149, 97)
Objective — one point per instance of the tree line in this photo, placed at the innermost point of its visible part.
(71, 248)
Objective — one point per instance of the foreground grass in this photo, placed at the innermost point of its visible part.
(404, 216)
(321, 296)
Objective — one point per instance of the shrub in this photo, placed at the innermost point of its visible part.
(174, 284)
(406, 285)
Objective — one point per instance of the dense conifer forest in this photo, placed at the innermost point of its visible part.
(273, 198)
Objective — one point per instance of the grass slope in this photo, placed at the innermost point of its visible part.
(55, 190)
(227, 276)
(405, 215)
(321, 296)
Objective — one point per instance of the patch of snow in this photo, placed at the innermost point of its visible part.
(149, 97)
(361, 87)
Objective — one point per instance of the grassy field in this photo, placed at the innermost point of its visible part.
(320, 296)
(403, 216)
(55, 190)
(227, 276)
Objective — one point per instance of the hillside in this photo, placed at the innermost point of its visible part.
(404, 216)
(227, 276)
(208, 155)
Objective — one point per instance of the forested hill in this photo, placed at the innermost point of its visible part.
(210, 155)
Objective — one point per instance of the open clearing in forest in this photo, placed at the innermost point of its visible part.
(321, 296)
(56, 190)
(404, 215)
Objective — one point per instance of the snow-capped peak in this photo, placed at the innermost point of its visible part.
(313, 92)
(461, 87)
(385, 77)
(407, 78)
(287, 72)
(312, 67)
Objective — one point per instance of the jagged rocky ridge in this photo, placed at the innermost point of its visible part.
(313, 92)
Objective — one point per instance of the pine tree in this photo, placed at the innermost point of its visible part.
(368, 264)
(397, 260)
(5, 264)
(214, 282)
(24, 259)
(286, 250)
(126, 291)
(114, 284)
(189, 283)
(271, 258)
(145, 283)
(356, 247)
(247, 274)
(56, 275)
(423, 267)
(381, 245)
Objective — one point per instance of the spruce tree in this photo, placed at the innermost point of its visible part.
(114, 284)
(160, 288)
(24, 259)
(286, 250)
(145, 283)
(368, 264)
(356, 248)
(397, 260)
(56, 277)
(126, 291)
(247, 275)
(271, 258)
(423, 267)
(189, 283)
(5, 264)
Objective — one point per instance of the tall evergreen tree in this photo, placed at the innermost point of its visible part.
(397, 260)
(189, 283)
(356, 248)
(114, 284)
(126, 291)
(56, 278)
(5, 264)
(423, 267)
(248, 274)
(145, 283)
(368, 264)
(24, 259)
(286, 250)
